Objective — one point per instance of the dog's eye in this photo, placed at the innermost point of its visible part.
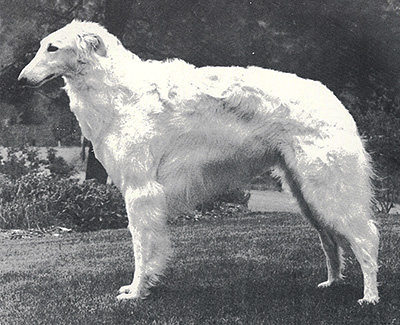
(52, 48)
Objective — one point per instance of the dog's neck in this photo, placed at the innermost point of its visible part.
(93, 101)
(100, 93)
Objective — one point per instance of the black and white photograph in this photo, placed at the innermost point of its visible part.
(200, 162)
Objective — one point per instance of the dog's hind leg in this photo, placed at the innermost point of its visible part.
(364, 241)
(334, 192)
(329, 240)
(146, 209)
(334, 257)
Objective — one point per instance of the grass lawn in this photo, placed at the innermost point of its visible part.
(251, 269)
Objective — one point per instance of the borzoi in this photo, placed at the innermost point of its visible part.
(171, 135)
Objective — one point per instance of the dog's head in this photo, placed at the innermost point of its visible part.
(66, 52)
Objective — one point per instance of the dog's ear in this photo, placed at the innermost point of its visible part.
(92, 42)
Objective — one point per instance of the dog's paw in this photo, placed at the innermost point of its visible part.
(128, 292)
(325, 284)
(128, 288)
(127, 296)
(368, 300)
(131, 292)
(331, 282)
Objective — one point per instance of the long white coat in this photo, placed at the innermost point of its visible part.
(171, 135)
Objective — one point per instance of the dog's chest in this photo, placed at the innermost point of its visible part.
(123, 148)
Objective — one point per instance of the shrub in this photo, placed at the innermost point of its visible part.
(234, 196)
(90, 205)
(21, 161)
(387, 192)
(40, 200)
(57, 165)
(43, 200)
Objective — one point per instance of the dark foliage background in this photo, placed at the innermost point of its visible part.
(352, 46)
(39, 193)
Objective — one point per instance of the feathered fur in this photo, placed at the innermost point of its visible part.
(171, 135)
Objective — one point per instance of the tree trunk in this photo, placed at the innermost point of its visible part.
(116, 16)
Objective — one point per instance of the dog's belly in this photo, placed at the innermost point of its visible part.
(189, 182)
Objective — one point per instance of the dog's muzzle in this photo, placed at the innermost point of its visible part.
(25, 82)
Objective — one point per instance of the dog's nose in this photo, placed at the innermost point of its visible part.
(22, 81)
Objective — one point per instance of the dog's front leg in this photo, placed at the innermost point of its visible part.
(138, 287)
(146, 207)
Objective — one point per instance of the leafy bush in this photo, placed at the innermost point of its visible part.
(90, 205)
(21, 161)
(57, 165)
(42, 200)
(234, 196)
(387, 192)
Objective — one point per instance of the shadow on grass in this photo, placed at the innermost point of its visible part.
(251, 271)
(179, 299)
(281, 300)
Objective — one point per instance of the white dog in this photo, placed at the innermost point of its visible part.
(171, 135)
